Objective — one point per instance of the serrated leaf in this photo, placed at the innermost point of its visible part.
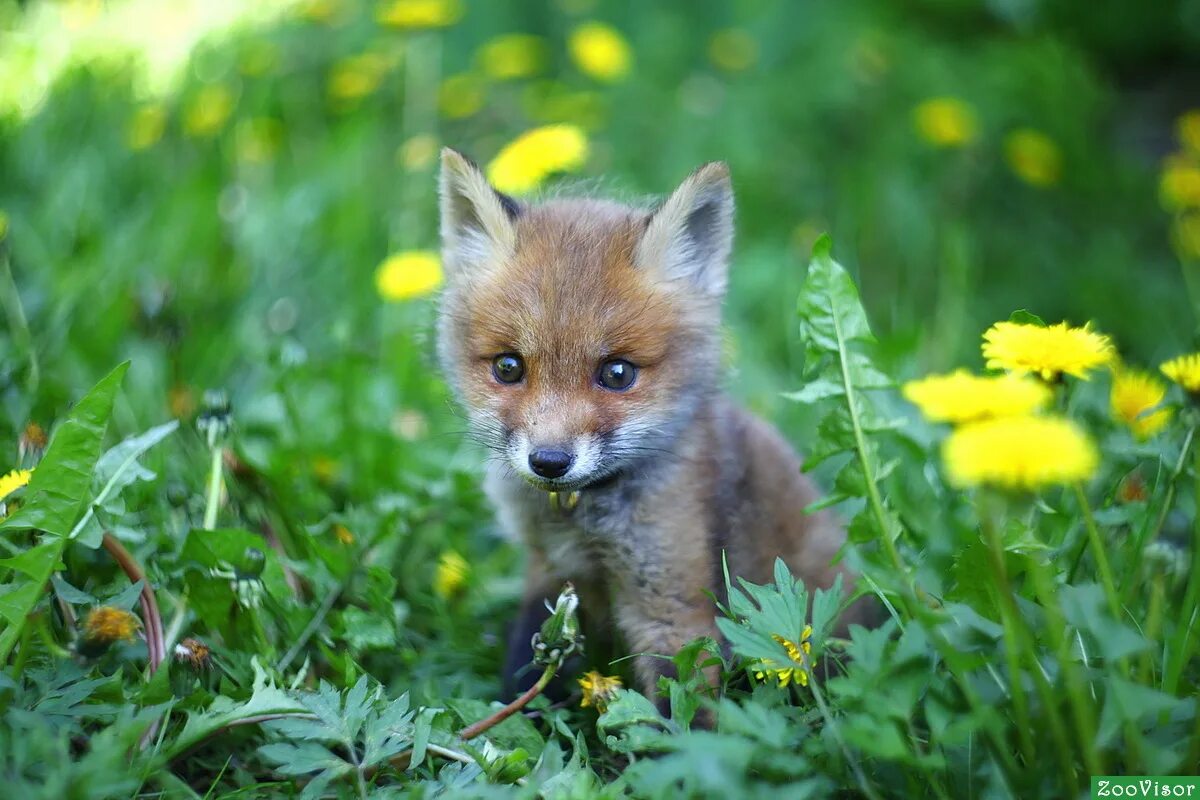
(63, 479)
(816, 390)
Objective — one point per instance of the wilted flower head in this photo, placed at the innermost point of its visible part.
(1184, 370)
(1047, 351)
(963, 397)
(103, 626)
(533, 156)
(600, 51)
(1023, 452)
(408, 275)
(598, 690)
(193, 653)
(32, 442)
(215, 416)
(768, 669)
(1133, 396)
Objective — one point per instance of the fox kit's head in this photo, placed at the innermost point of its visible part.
(581, 335)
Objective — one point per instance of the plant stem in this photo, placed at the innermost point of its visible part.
(1097, 545)
(473, 730)
(1148, 533)
(859, 776)
(214, 489)
(1180, 649)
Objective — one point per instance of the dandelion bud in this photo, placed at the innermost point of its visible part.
(215, 417)
(508, 767)
(103, 626)
(32, 442)
(559, 636)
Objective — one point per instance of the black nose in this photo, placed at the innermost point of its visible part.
(550, 463)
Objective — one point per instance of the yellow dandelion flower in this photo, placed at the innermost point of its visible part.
(600, 51)
(598, 690)
(355, 77)
(963, 397)
(146, 126)
(1024, 452)
(1034, 157)
(513, 55)
(770, 670)
(1184, 370)
(1134, 393)
(733, 49)
(1179, 184)
(534, 155)
(1046, 351)
(14, 480)
(1188, 129)
(451, 574)
(945, 122)
(343, 535)
(419, 13)
(103, 626)
(407, 275)
(460, 96)
(1185, 236)
(205, 116)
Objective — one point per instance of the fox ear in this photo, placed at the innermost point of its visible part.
(477, 221)
(689, 237)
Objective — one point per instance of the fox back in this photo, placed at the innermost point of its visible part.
(581, 337)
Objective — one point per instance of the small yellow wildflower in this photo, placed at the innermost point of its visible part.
(1188, 129)
(1046, 351)
(146, 126)
(733, 49)
(534, 155)
(451, 574)
(103, 626)
(1185, 236)
(257, 140)
(785, 675)
(407, 275)
(945, 122)
(1179, 185)
(343, 535)
(1034, 157)
(417, 152)
(210, 108)
(1133, 394)
(600, 51)
(14, 480)
(963, 397)
(598, 690)
(513, 55)
(419, 13)
(1023, 452)
(1184, 370)
(460, 96)
(355, 77)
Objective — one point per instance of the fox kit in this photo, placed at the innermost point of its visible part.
(583, 339)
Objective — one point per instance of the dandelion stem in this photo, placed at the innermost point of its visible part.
(1179, 652)
(473, 730)
(214, 489)
(1149, 534)
(1097, 544)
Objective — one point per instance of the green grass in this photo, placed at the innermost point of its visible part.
(242, 260)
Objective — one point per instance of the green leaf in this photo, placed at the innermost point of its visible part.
(55, 494)
(62, 481)
(1024, 317)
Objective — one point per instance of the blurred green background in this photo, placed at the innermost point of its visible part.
(211, 190)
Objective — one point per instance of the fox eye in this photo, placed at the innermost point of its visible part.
(508, 368)
(617, 374)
